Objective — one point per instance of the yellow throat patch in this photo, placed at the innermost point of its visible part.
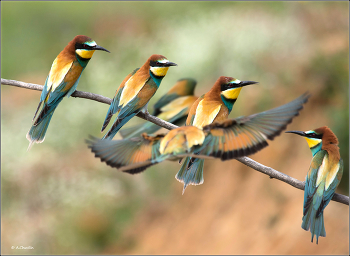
(85, 54)
(312, 142)
(231, 93)
(159, 71)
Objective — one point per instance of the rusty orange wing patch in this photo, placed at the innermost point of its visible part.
(244, 136)
(132, 155)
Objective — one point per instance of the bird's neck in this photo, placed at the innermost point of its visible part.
(228, 102)
(83, 62)
(230, 96)
(157, 79)
(316, 148)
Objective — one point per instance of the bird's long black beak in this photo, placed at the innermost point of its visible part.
(168, 64)
(97, 47)
(297, 132)
(244, 83)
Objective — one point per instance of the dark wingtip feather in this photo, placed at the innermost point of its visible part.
(36, 112)
(91, 140)
(300, 101)
(137, 170)
(44, 112)
(106, 122)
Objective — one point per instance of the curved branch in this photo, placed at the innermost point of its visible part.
(285, 178)
(91, 96)
(245, 160)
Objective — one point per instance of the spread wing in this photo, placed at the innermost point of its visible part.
(132, 155)
(246, 135)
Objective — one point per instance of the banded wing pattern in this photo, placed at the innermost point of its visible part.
(244, 136)
(135, 153)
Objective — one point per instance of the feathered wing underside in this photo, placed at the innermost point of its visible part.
(129, 155)
(244, 136)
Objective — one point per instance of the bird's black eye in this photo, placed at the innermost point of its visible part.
(315, 135)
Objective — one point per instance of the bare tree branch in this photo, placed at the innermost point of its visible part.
(91, 96)
(245, 160)
(285, 178)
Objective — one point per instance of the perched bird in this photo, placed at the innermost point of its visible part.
(322, 179)
(213, 106)
(62, 81)
(226, 140)
(172, 107)
(135, 92)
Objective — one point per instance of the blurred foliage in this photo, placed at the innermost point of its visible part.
(57, 197)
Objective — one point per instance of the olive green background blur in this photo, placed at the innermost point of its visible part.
(59, 199)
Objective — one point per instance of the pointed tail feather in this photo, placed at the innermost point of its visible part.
(315, 224)
(191, 172)
(118, 123)
(37, 132)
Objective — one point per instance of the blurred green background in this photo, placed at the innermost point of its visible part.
(59, 199)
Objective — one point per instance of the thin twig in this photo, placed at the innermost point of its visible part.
(272, 173)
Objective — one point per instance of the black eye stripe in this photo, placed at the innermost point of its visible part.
(228, 86)
(154, 63)
(83, 46)
(314, 135)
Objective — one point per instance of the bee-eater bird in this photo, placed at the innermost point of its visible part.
(213, 106)
(226, 140)
(322, 179)
(172, 107)
(135, 92)
(62, 81)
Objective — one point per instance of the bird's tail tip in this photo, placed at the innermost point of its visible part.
(32, 141)
(190, 183)
(314, 224)
(184, 188)
(191, 174)
(30, 145)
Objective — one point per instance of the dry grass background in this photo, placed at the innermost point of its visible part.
(58, 199)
